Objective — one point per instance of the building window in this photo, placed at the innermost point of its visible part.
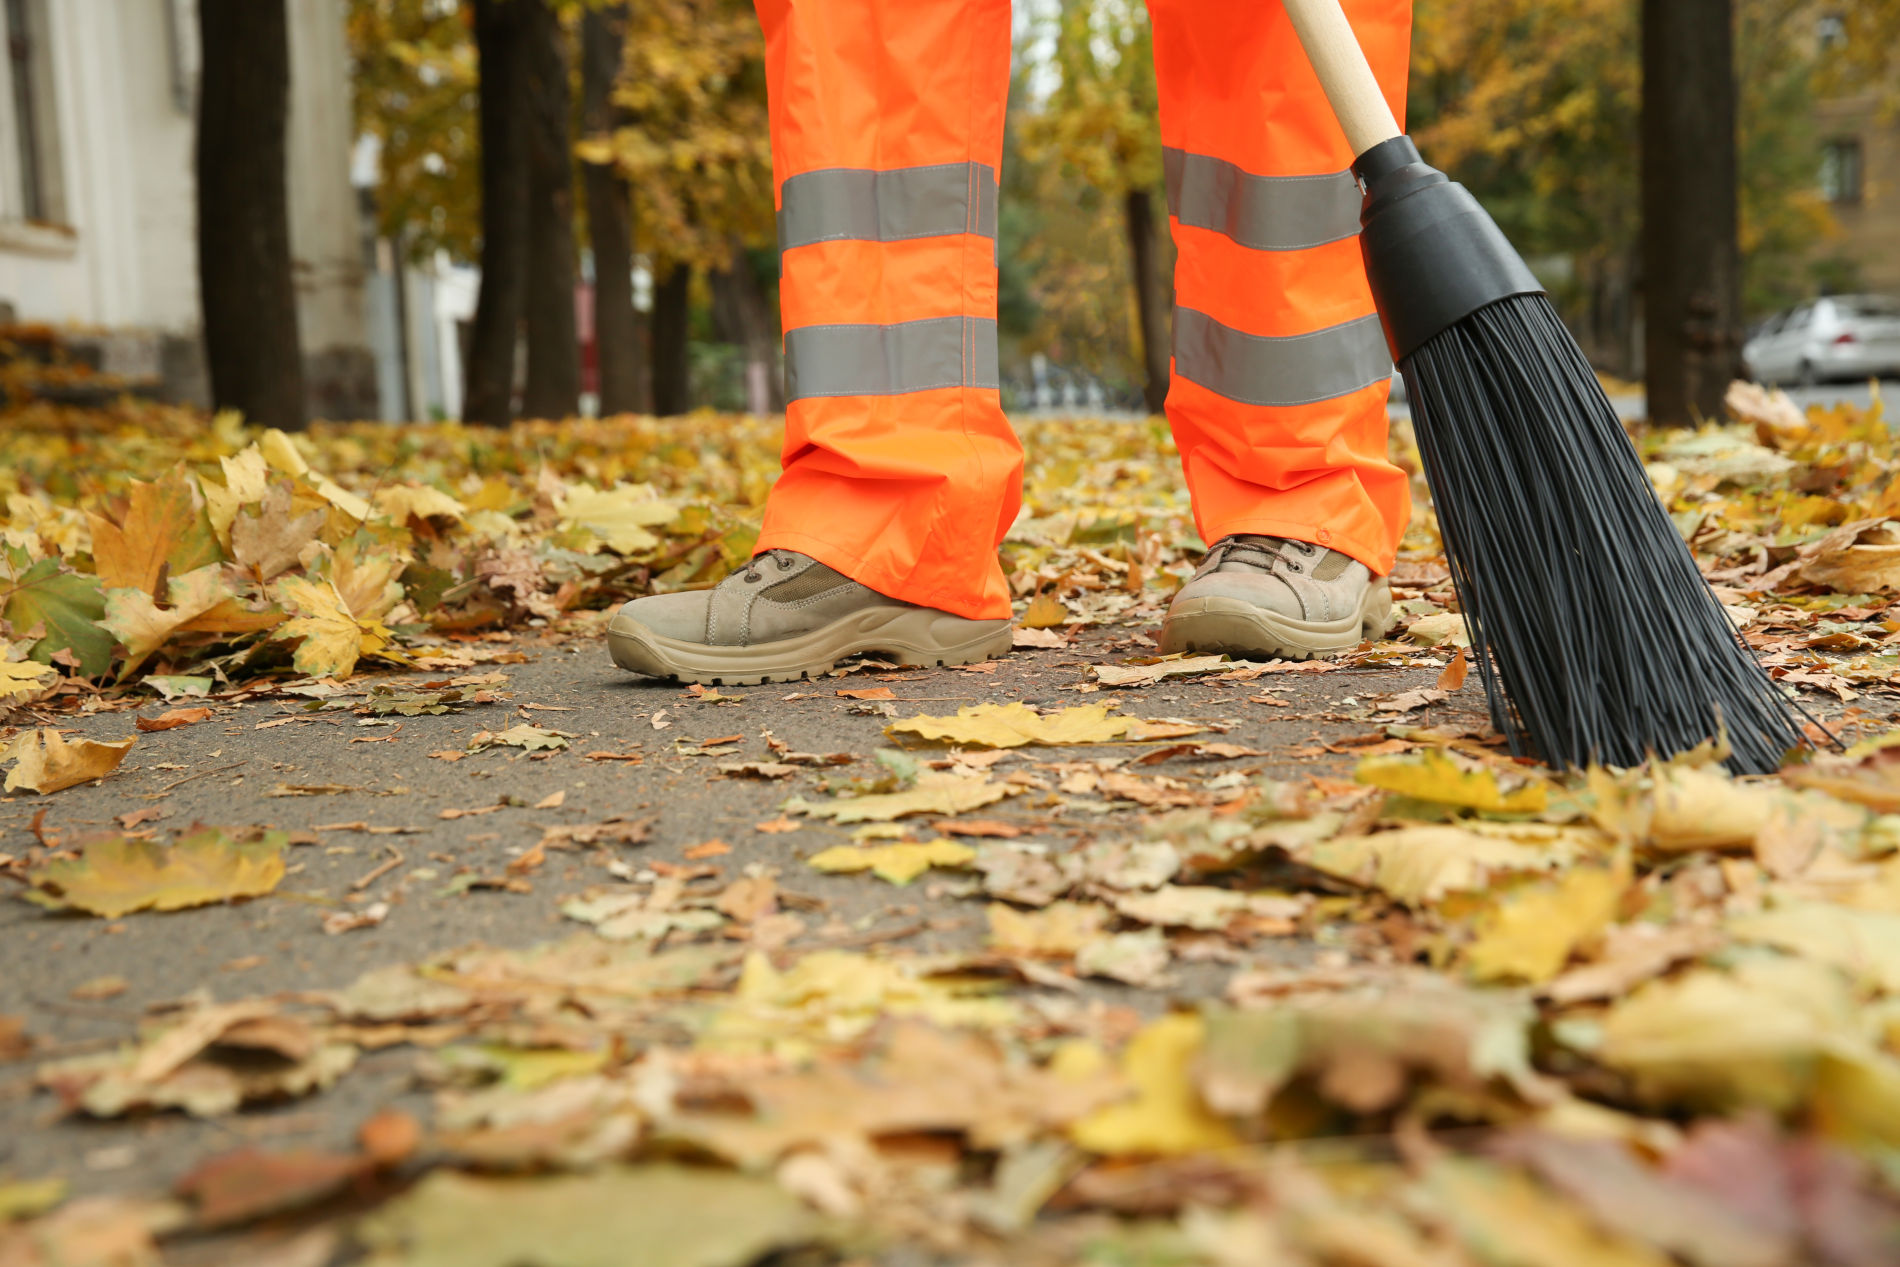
(1830, 31)
(1841, 170)
(36, 194)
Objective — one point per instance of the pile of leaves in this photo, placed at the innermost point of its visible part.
(1452, 1010)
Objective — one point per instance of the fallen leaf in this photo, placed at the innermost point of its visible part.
(1055, 932)
(1422, 864)
(1016, 724)
(24, 677)
(1864, 944)
(1531, 934)
(172, 719)
(251, 1183)
(1436, 775)
(526, 737)
(1149, 674)
(933, 794)
(1862, 557)
(46, 763)
(553, 800)
(389, 1137)
(1167, 1116)
(899, 863)
(1440, 630)
(116, 876)
(332, 639)
(619, 516)
(1138, 959)
(1045, 611)
(1037, 639)
(1453, 677)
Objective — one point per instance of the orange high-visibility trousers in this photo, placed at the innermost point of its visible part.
(887, 130)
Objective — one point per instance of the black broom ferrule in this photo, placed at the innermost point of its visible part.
(1432, 254)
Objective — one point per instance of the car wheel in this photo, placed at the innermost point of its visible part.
(1806, 377)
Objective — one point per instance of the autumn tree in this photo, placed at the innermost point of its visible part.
(553, 387)
(1692, 259)
(619, 356)
(1536, 105)
(1095, 135)
(693, 144)
(414, 87)
(246, 288)
(503, 29)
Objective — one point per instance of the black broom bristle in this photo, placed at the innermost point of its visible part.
(1597, 638)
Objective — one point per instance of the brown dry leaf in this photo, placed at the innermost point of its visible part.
(1517, 1221)
(553, 800)
(250, 1183)
(1862, 557)
(925, 1079)
(119, 875)
(1631, 954)
(1453, 678)
(749, 898)
(389, 1137)
(24, 677)
(272, 541)
(776, 826)
(46, 763)
(869, 692)
(172, 719)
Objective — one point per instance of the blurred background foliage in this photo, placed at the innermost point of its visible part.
(1532, 103)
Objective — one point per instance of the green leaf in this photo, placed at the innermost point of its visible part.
(69, 606)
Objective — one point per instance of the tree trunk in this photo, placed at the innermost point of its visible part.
(245, 283)
(745, 319)
(553, 389)
(617, 351)
(1151, 295)
(1692, 266)
(672, 386)
(500, 37)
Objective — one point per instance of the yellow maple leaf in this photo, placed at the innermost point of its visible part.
(23, 677)
(1421, 864)
(618, 516)
(1532, 933)
(1167, 1117)
(119, 875)
(246, 481)
(898, 863)
(45, 762)
(143, 626)
(1435, 775)
(333, 639)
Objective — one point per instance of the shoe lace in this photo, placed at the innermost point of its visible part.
(785, 560)
(1261, 552)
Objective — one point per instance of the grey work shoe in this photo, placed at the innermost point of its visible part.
(1263, 597)
(785, 616)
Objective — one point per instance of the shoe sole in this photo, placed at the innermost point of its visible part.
(1231, 626)
(910, 636)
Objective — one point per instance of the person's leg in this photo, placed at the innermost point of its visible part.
(901, 474)
(887, 136)
(1278, 397)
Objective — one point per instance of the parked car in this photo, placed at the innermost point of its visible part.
(1840, 337)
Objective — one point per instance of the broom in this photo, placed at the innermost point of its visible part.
(1598, 640)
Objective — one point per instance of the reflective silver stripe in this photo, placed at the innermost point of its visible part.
(1297, 370)
(1266, 213)
(842, 203)
(911, 356)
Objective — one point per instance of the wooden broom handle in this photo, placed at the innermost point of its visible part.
(1343, 72)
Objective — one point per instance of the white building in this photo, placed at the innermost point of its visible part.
(97, 215)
